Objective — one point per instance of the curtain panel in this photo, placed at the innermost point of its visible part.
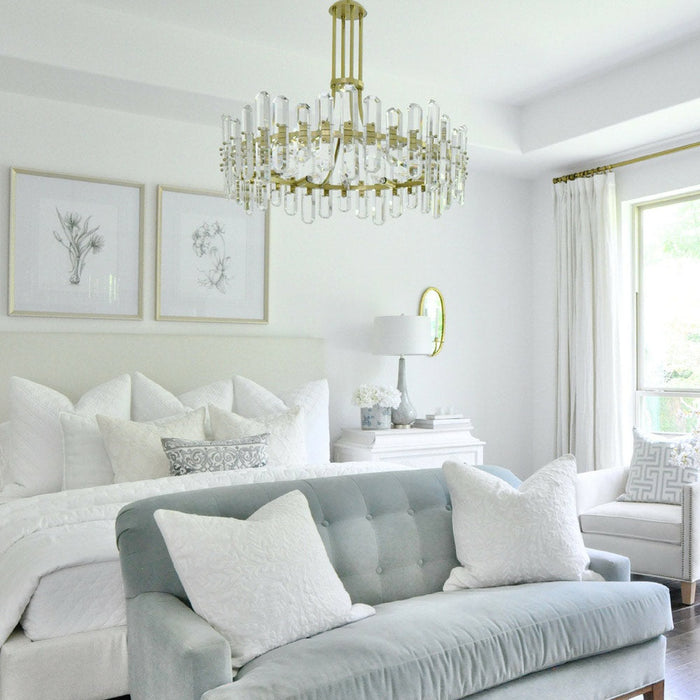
(590, 401)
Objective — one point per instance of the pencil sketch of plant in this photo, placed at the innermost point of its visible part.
(78, 239)
(208, 240)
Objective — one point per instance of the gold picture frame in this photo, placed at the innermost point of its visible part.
(76, 246)
(212, 259)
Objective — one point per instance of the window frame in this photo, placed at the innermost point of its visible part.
(653, 391)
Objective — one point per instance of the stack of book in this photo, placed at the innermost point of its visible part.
(444, 421)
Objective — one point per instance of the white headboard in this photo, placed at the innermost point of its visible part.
(74, 362)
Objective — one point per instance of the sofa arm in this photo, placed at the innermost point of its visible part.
(612, 567)
(690, 559)
(173, 653)
(600, 486)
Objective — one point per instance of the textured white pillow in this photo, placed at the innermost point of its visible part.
(286, 445)
(85, 459)
(261, 582)
(150, 401)
(135, 450)
(505, 536)
(253, 401)
(4, 453)
(36, 457)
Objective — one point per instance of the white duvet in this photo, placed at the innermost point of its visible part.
(43, 534)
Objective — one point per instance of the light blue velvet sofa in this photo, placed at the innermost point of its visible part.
(389, 537)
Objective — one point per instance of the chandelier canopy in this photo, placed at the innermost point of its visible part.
(346, 154)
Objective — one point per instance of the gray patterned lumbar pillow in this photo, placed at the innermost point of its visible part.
(653, 476)
(189, 456)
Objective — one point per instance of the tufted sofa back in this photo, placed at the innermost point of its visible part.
(388, 534)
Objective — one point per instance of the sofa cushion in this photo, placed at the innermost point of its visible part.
(450, 645)
(660, 522)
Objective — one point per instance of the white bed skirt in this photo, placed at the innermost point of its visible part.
(88, 665)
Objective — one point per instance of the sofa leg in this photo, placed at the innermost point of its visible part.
(655, 692)
(688, 592)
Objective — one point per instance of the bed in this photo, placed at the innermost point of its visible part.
(62, 620)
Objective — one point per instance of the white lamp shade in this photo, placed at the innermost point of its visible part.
(402, 335)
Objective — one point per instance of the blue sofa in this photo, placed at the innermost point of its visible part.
(389, 537)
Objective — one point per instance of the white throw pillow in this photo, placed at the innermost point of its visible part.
(254, 401)
(286, 444)
(85, 459)
(653, 478)
(151, 401)
(36, 458)
(505, 535)
(261, 582)
(135, 450)
(5, 477)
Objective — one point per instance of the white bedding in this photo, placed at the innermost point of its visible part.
(49, 533)
(77, 599)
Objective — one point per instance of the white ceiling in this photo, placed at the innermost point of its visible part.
(541, 83)
(502, 50)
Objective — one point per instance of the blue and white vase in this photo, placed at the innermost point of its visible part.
(375, 418)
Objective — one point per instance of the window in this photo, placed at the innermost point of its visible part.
(668, 307)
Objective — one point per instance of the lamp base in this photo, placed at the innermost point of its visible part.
(404, 415)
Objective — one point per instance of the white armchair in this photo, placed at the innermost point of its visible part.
(660, 539)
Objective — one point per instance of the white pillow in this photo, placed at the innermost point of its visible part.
(261, 582)
(505, 536)
(85, 459)
(253, 401)
(150, 401)
(286, 445)
(135, 450)
(36, 458)
(4, 453)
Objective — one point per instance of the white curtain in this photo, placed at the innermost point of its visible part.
(590, 388)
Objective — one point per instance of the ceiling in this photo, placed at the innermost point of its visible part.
(541, 84)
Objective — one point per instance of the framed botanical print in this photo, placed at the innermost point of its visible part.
(212, 259)
(75, 246)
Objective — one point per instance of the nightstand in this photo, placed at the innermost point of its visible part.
(420, 447)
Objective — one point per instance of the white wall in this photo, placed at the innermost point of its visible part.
(649, 178)
(329, 279)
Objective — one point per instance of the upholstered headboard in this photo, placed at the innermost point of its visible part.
(74, 362)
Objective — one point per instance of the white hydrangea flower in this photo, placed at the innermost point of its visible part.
(367, 395)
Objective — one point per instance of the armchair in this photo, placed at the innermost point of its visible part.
(660, 539)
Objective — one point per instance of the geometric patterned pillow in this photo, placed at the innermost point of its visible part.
(189, 456)
(653, 478)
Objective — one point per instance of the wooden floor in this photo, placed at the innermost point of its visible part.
(682, 650)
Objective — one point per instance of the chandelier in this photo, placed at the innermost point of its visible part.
(347, 154)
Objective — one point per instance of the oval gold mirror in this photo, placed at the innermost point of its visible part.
(432, 305)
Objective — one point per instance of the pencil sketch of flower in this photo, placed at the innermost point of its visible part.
(78, 239)
(208, 240)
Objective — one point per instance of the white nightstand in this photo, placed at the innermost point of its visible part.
(421, 447)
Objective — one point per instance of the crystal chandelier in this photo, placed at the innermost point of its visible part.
(346, 154)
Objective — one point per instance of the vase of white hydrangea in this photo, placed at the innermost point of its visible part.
(375, 404)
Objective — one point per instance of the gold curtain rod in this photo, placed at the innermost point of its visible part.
(622, 163)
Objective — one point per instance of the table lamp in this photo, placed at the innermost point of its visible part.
(403, 335)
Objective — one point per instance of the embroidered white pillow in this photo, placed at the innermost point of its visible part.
(151, 401)
(505, 535)
(653, 478)
(286, 445)
(253, 401)
(261, 582)
(36, 458)
(135, 450)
